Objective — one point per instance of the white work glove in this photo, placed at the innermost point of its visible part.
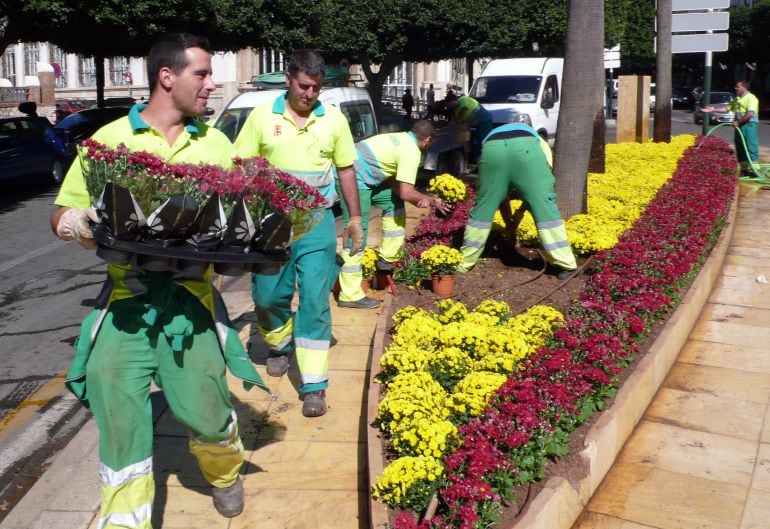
(73, 225)
(355, 232)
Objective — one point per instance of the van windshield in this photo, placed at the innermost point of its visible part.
(360, 117)
(231, 121)
(507, 89)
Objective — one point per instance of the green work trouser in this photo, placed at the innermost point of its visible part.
(517, 163)
(168, 336)
(313, 268)
(393, 235)
(751, 137)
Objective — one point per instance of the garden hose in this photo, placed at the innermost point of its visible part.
(762, 170)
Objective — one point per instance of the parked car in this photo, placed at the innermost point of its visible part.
(74, 128)
(681, 98)
(718, 100)
(65, 107)
(30, 149)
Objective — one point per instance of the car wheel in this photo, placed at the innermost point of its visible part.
(56, 173)
(696, 120)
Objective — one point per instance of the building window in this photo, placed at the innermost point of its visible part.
(270, 61)
(60, 58)
(87, 71)
(398, 81)
(31, 58)
(8, 66)
(119, 71)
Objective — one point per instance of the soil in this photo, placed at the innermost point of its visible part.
(520, 277)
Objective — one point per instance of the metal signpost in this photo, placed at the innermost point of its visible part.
(693, 25)
(611, 61)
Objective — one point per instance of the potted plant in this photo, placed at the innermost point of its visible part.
(442, 263)
(368, 268)
(448, 188)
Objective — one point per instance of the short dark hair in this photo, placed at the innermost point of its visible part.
(745, 83)
(168, 51)
(422, 129)
(308, 61)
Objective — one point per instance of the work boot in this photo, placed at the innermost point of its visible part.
(228, 501)
(276, 364)
(314, 404)
(565, 274)
(363, 303)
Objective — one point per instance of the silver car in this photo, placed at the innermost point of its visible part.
(720, 114)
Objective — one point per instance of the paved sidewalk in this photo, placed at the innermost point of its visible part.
(700, 456)
(300, 472)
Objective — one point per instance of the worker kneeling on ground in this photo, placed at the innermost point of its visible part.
(386, 171)
(515, 158)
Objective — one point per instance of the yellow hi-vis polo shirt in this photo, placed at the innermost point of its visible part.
(311, 153)
(385, 156)
(198, 143)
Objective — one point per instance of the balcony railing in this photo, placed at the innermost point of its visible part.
(13, 94)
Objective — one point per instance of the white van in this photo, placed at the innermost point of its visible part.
(354, 103)
(508, 87)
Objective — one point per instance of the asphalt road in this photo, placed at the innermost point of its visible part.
(47, 286)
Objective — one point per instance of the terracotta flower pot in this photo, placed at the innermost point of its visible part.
(443, 286)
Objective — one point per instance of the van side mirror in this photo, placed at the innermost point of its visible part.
(548, 100)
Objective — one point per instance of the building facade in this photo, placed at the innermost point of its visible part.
(75, 75)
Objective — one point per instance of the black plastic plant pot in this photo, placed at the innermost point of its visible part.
(230, 269)
(120, 213)
(154, 263)
(275, 234)
(170, 224)
(240, 229)
(209, 225)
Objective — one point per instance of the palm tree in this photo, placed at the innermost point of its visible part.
(662, 128)
(581, 118)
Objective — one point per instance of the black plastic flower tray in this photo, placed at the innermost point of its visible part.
(225, 262)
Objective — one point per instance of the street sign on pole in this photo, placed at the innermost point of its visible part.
(686, 22)
(612, 57)
(698, 5)
(699, 42)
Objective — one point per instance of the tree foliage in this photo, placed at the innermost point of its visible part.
(108, 28)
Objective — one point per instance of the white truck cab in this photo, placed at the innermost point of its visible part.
(354, 103)
(532, 86)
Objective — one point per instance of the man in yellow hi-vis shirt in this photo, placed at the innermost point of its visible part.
(300, 135)
(746, 108)
(515, 157)
(158, 326)
(386, 170)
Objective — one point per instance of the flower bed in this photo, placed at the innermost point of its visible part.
(635, 283)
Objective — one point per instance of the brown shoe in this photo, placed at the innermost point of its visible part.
(314, 404)
(228, 501)
(277, 365)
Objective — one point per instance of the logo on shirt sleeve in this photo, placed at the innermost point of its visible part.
(277, 129)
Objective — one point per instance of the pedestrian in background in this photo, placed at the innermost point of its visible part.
(132, 338)
(430, 101)
(407, 101)
(386, 171)
(300, 135)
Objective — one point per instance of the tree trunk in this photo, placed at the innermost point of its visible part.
(376, 79)
(662, 128)
(99, 64)
(581, 115)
